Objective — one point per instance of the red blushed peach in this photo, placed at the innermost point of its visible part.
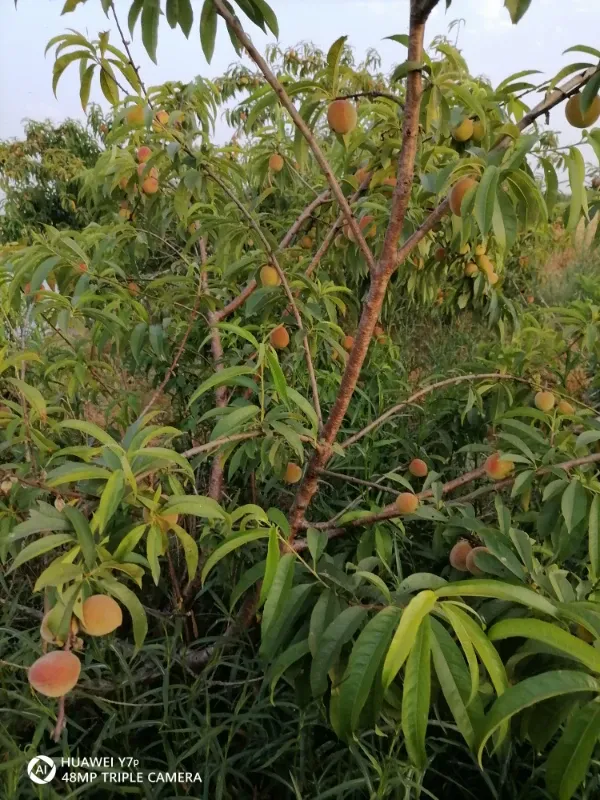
(55, 674)
(101, 615)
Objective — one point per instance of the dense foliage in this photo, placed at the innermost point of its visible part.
(300, 451)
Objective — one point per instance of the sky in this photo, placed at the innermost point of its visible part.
(491, 45)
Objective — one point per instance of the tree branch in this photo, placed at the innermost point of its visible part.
(391, 511)
(334, 229)
(238, 301)
(379, 281)
(422, 393)
(286, 102)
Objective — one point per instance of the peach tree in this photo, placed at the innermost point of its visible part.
(208, 371)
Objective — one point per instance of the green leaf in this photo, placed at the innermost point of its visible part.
(574, 504)
(279, 592)
(195, 505)
(158, 454)
(517, 9)
(590, 91)
(172, 12)
(73, 471)
(277, 374)
(84, 534)
(150, 18)
(134, 12)
(248, 579)
(500, 591)
(229, 545)
(208, 29)
(111, 497)
(90, 429)
(154, 545)
(108, 83)
(529, 692)
(466, 644)
(233, 421)
(39, 523)
(86, 86)
(268, 15)
(129, 542)
(549, 634)
(325, 610)
(285, 622)
(32, 395)
(39, 547)
(416, 696)
(271, 564)
(365, 660)
(485, 199)
(298, 400)
(58, 573)
(317, 542)
(412, 616)
(221, 378)
(190, 550)
(576, 166)
(284, 661)
(568, 763)
(594, 539)
(333, 63)
(334, 637)
(186, 16)
(453, 679)
(133, 605)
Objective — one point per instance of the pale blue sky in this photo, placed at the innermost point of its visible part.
(491, 45)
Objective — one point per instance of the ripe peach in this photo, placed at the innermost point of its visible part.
(162, 117)
(564, 407)
(418, 468)
(439, 254)
(150, 186)
(101, 615)
(390, 181)
(485, 265)
(407, 503)
(545, 401)
(480, 250)
(133, 288)
(459, 554)
(306, 242)
(575, 115)
(463, 131)
(471, 270)
(458, 192)
(342, 116)
(135, 115)
(470, 560)
(144, 153)
(363, 224)
(478, 131)
(81, 267)
(55, 674)
(360, 174)
(530, 299)
(269, 276)
(348, 342)
(276, 163)
(279, 338)
(293, 473)
(498, 468)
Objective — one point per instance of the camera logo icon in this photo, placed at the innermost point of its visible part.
(41, 769)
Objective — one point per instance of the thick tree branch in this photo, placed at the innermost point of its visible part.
(391, 511)
(499, 376)
(286, 102)
(379, 281)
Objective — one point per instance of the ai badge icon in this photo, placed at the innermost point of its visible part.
(41, 769)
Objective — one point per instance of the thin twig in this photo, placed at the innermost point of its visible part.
(358, 481)
(286, 102)
(422, 393)
(392, 512)
(356, 95)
